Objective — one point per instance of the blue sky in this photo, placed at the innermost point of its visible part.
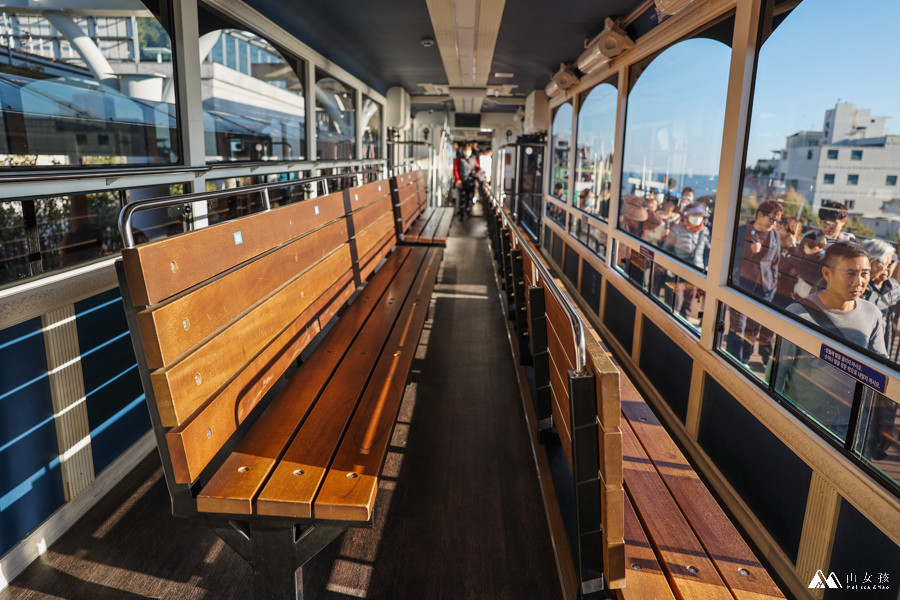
(824, 51)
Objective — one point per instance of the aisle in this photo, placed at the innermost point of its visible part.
(460, 518)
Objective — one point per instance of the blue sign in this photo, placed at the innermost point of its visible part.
(855, 369)
(647, 252)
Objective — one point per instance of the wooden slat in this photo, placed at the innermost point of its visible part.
(611, 455)
(290, 495)
(373, 235)
(609, 404)
(194, 443)
(415, 230)
(715, 531)
(557, 340)
(171, 328)
(369, 193)
(161, 269)
(559, 318)
(560, 409)
(431, 228)
(363, 218)
(234, 487)
(443, 230)
(682, 557)
(245, 336)
(348, 492)
(644, 577)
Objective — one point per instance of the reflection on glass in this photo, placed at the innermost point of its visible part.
(253, 103)
(78, 228)
(594, 154)
(689, 303)
(673, 136)
(237, 205)
(830, 166)
(13, 245)
(560, 147)
(557, 214)
(823, 393)
(878, 441)
(747, 342)
(633, 264)
(662, 285)
(596, 240)
(157, 223)
(371, 119)
(111, 102)
(335, 119)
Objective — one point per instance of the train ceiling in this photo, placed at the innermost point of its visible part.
(380, 42)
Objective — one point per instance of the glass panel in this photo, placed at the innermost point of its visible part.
(253, 103)
(581, 229)
(158, 223)
(843, 192)
(823, 393)
(662, 285)
(53, 98)
(689, 303)
(77, 228)
(879, 428)
(672, 145)
(557, 214)
(747, 342)
(371, 118)
(634, 264)
(561, 146)
(596, 141)
(335, 119)
(13, 246)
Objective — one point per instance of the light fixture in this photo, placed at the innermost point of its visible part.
(427, 42)
(611, 42)
(562, 80)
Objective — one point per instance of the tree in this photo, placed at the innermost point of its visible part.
(151, 35)
(796, 206)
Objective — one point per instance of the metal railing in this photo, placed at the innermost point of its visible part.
(129, 210)
(555, 291)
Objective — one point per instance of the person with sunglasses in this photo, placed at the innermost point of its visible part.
(833, 217)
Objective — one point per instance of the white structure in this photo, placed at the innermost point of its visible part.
(853, 160)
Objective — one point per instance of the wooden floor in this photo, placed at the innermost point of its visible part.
(461, 518)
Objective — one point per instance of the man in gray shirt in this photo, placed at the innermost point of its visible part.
(819, 390)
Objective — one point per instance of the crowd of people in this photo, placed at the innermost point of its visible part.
(471, 171)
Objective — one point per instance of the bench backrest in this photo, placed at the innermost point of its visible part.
(228, 308)
(588, 424)
(410, 199)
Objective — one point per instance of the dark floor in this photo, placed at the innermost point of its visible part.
(461, 517)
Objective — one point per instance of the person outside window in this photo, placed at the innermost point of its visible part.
(883, 291)
(756, 271)
(833, 216)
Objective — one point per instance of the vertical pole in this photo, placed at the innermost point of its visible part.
(585, 471)
(520, 305)
(540, 356)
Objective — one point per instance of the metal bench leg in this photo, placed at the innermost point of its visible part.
(278, 556)
(540, 358)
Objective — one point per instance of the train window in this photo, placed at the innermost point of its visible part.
(560, 147)
(673, 137)
(557, 214)
(878, 427)
(371, 119)
(38, 235)
(792, 211)
(682, 299)
(581, 228)
(121, 75)
(594, 152)
(335, 119)
(253, 102)
(746, 342)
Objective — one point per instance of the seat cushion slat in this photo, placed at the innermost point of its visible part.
(715, 531)
(149, 267)
(312, 450)
(670, 535)
(364, 447)
(649, 581)
(431, 228)
(443, 230)
(171, 328)
(234, 491)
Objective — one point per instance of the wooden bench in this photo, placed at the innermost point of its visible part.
(418, 223)
(665, 536)
(218, 315)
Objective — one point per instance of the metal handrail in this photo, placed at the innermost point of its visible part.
(128, 210)
(574, 319)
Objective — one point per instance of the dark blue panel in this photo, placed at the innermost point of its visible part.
(117, 413)
(572, 259)
(30, 480)
(590, 286)
(861, 550)
(618, 316)
(667, 367)
(556, 250)
(764, 472)
(548, 236)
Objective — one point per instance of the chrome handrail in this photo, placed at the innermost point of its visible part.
(574, 319)
(128, 210)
